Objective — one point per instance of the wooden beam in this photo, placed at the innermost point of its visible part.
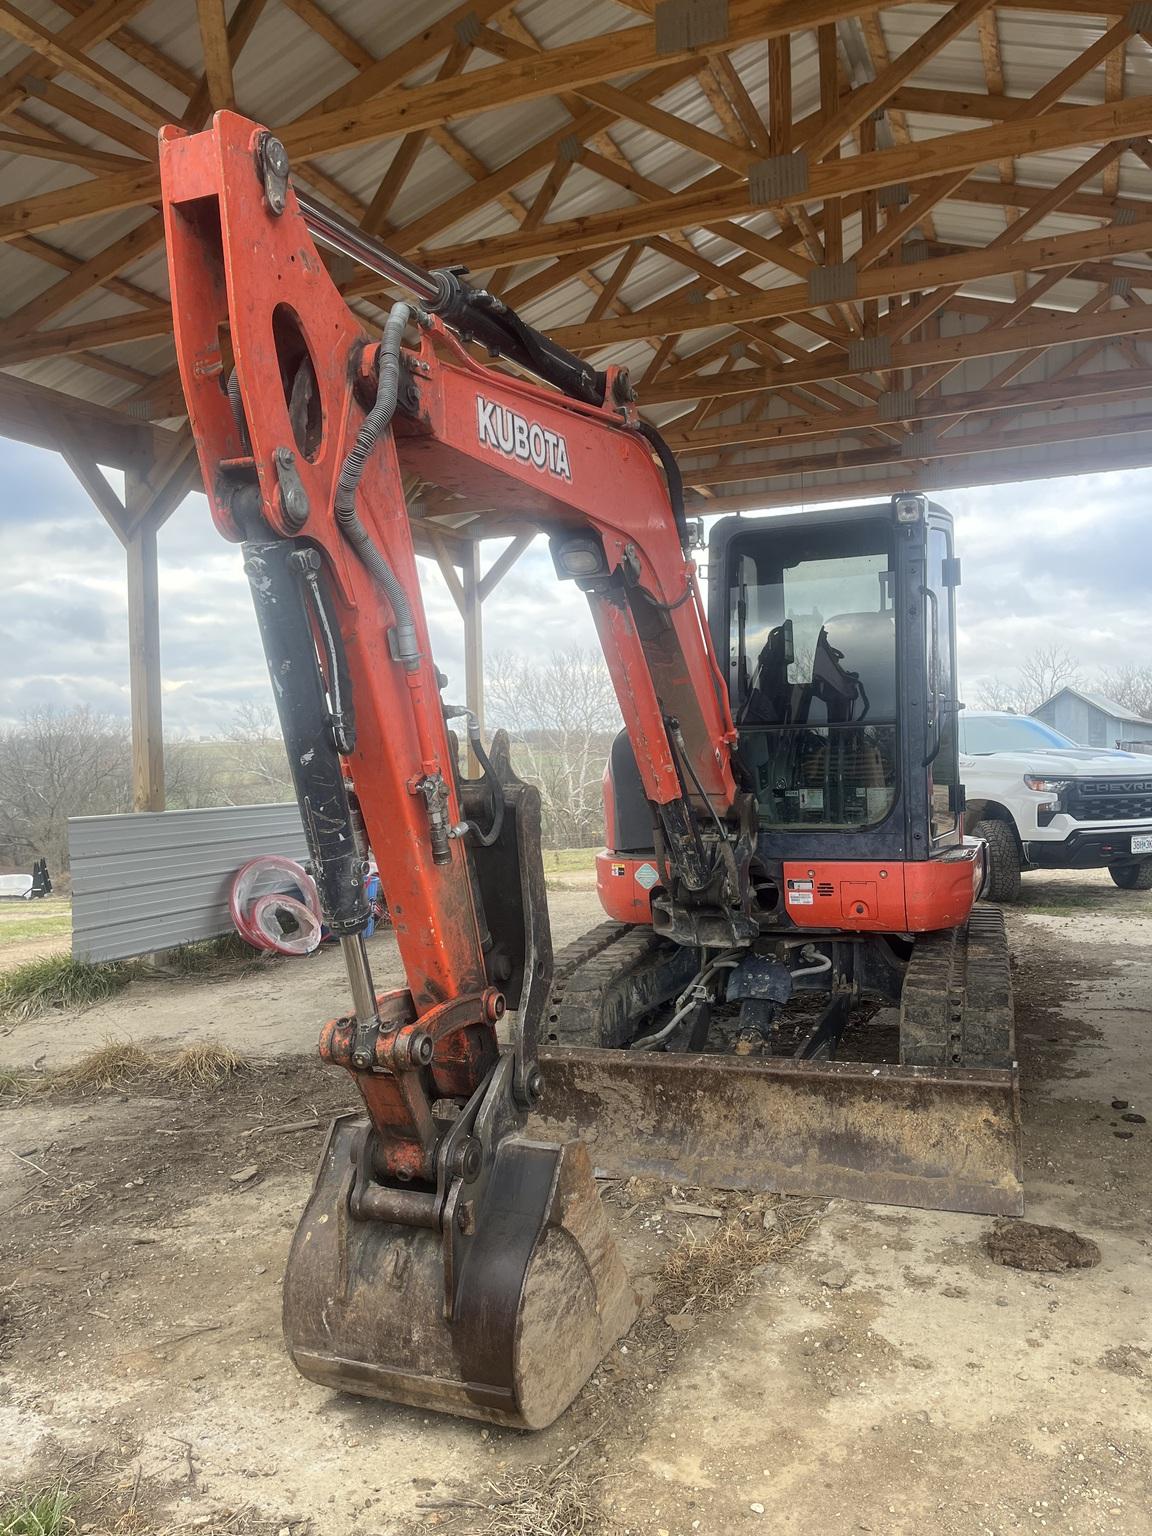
(886, 167)
(91, 274)
(1113, 384)
(1136, 321)
(337, 37)
(780, 94)
(590, 61)
(55, 47)
(46, 418)
(64, 150)
(138, 48)
(101, 120)
(82, 464)
(878, 282)
(144, 670)
(503, 563)
(217, 53)
(998, 441)
(973, 470)
(240, 28)
(94, 23)
(869, 98)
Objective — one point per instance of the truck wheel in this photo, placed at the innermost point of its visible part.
(1003, 883)
(1132, 877)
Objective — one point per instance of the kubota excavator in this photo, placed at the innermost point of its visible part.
(786, 849)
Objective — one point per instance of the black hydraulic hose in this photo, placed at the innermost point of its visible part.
(373, 426)
(673, 476)
(495, 788)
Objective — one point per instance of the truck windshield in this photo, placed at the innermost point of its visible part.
(813, 673)
(983, 734)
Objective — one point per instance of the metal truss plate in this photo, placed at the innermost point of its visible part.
(897, 405)
(1127, 215)
(682, 24)
(917, 445)
(1139, 17)
(895, 196)
(830, 284)
(870, 352)
(777, 177)
(467, 30)
(570, 148)
(913, 251)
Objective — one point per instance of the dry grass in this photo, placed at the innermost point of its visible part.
(203, 1065)
(559, 1500)
(115, 1064)
(122, 1064)
(708, 1273)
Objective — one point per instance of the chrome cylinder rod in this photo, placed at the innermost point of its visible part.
(338, 234)
(355, 953)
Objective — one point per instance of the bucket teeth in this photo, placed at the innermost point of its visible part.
(542, 1296)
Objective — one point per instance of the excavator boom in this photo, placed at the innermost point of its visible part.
(440, 1243)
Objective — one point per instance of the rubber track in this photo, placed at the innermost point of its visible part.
(956, 1004)
(595, 984)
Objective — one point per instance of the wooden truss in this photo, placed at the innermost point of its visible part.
(793, 306)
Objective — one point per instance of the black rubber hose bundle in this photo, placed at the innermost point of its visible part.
(374, 425)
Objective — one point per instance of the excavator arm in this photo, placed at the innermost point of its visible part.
(309, 431)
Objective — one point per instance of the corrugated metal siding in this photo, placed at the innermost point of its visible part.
(152, 881)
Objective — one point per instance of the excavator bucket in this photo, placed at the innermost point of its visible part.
(540, 1296)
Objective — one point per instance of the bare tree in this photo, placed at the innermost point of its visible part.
(1041, 674)
(56, 764)
(1129, 686)
(1046, 671)
(254, 762)
(561, 714)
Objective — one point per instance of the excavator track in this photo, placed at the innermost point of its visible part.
(956, 1003)
(606, 982)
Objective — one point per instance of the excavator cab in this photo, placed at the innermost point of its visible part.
(870, 1020)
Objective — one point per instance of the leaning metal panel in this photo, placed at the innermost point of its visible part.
(154, 880)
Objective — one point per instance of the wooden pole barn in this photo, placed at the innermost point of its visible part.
(845, 249)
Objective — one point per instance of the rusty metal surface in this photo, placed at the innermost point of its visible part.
(944, 1140)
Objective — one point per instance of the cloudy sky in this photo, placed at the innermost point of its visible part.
(1064, 561)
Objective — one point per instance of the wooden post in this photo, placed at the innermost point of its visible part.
(473, 615)
(144, 670)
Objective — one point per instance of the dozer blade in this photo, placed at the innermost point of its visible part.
(541, 1295)
(946, 1139)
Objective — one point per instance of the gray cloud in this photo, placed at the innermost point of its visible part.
(1063, 561)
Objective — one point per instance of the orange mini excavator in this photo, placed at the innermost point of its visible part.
(792, 994)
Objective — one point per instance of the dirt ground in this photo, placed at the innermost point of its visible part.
(882, 1375)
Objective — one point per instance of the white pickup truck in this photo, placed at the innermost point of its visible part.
(1041, 802)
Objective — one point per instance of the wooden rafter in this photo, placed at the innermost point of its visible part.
(790, 285)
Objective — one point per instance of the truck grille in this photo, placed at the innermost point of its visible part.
(1110, 799)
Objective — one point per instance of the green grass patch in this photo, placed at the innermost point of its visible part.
(49, 925)
(569, 861)
(211, 956)
(59, 982)
(46, 1513)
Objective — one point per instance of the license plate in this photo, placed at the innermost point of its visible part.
(1142, 843)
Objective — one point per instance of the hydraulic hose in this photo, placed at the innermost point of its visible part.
(371, 429)
(495, 789)
(673, 476)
